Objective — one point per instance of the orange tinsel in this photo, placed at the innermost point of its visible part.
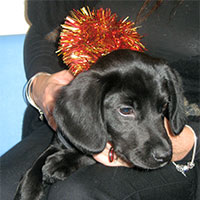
(88, 35)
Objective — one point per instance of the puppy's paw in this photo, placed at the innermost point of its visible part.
(55, 168)
(51, 177)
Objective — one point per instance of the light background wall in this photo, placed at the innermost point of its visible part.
(12, 17)
(13, 27)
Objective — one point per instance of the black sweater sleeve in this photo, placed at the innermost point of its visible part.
(39, 54)
(45, 17)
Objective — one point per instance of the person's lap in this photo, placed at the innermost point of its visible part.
(96, 181)
(20, 158)
(107, 183)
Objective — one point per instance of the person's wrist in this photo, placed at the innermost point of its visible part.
(31, 91)
(182, 144)
(38, 85)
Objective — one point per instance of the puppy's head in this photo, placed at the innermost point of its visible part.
(123, 99)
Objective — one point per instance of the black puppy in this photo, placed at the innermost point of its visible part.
(122, 99)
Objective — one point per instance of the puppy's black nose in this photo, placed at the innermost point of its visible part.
(161, 155)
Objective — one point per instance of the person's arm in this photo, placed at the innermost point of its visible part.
(39, 54)
(44, 91)
(45, 18)
(40, 51)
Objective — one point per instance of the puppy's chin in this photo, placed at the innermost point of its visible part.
(147, 162)
(142, 163)
(149, 165)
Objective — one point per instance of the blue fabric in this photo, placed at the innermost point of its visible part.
(12, 81)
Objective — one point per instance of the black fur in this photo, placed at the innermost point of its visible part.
(122, 99)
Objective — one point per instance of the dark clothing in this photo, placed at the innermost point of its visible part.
(96, 181)
(171, 35)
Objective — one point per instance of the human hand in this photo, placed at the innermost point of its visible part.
(103, 158)
(182, 143)
(44, 90)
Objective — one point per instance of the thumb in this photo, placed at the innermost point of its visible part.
(63, 77)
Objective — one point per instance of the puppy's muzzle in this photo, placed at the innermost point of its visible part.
(161, 155)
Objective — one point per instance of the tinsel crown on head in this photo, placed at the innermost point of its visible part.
(87, 35)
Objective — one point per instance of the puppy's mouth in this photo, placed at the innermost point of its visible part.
(150, 163)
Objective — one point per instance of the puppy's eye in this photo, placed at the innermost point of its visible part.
(126, 111)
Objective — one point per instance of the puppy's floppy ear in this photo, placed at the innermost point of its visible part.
(78, 113)
(176, 112)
